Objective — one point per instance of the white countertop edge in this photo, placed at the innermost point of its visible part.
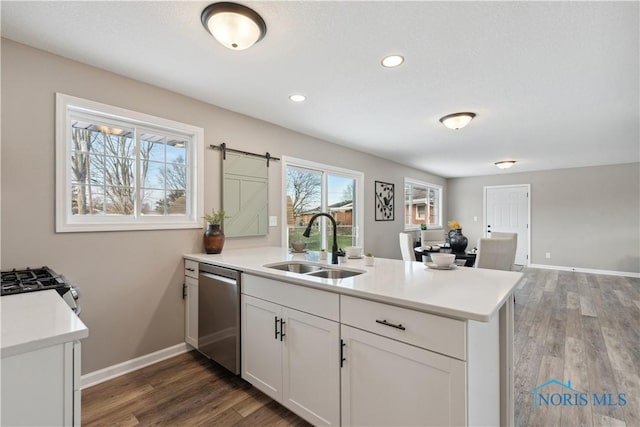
(332, 285)
(26, 347)
(418, 306)
(30, 310)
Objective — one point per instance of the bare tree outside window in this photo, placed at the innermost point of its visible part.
(176, 182)
(303, 191)
(80, 168)
(103, 162)
(303, 187)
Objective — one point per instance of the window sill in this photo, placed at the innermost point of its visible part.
(80, 228)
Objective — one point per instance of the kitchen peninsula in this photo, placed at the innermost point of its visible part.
(398, 343)
(40, 350)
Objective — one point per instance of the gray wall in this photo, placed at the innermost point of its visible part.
(586, 217)
(131, 282)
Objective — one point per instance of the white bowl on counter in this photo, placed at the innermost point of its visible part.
(354, 251)
(442, 260)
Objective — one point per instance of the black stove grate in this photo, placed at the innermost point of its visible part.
(29, 280)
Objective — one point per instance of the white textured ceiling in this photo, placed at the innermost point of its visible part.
(553, 84)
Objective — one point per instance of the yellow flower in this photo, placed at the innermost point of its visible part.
(454, 225)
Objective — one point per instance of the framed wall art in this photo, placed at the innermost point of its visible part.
(384, 201)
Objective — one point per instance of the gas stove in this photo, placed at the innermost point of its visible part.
(38, 279)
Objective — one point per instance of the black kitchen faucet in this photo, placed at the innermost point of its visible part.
(334, 247)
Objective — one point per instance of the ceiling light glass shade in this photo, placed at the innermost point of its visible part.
(297, 98)
(457, 120)
(505, 164)
(235, 26)
(392, 61)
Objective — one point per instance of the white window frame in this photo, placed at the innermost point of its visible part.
(67, 105)
(411, 181)
(358, 203)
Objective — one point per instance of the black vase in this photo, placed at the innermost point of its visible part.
(213, 239)
(458, 241)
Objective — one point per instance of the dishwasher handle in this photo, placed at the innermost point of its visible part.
(218, 278)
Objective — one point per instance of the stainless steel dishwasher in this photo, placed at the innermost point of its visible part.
(219, 315)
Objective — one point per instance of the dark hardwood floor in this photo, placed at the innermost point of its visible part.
(568, 326)
(186, 390)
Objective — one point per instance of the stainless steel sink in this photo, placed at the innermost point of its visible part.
(334, 274)
(315, 270)
(296, 267)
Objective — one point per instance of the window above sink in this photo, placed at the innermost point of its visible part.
(310, 188)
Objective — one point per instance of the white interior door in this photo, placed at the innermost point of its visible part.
(507, 209)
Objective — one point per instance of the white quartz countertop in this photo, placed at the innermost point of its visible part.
(463, 293)
(35, 320)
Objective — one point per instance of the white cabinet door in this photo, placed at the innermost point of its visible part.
(191, 312)
(386, 382)
(261, 345)
(37, 388)
(311, 367)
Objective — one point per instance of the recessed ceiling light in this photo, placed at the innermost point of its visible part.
(297, 97)
(505, 164)
(392, 61)
(457, 120)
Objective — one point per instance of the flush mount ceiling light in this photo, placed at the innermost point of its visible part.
(392, 61)
(235, 26)
(505, 164)
(297, 97)
(457, 120)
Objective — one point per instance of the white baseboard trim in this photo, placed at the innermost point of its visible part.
(586, 270)
(102, 375)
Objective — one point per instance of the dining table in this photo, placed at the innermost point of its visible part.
(468, 256)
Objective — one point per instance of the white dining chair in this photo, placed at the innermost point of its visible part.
(514, 242)
(513, 239)
(504, 235)
(406, 247)
(497, 253)
(431, 237)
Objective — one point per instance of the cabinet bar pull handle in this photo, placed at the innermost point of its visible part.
(275, 327)
(385, 323)
(342, 358)
(191, 269)
(282, 334)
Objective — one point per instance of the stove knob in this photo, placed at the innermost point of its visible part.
(74, 293)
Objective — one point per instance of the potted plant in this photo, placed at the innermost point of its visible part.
(213, 236)
(297, 245)
(368, 259)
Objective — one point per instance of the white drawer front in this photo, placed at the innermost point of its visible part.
(320, 303)
(191, 268)
(435, 333)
